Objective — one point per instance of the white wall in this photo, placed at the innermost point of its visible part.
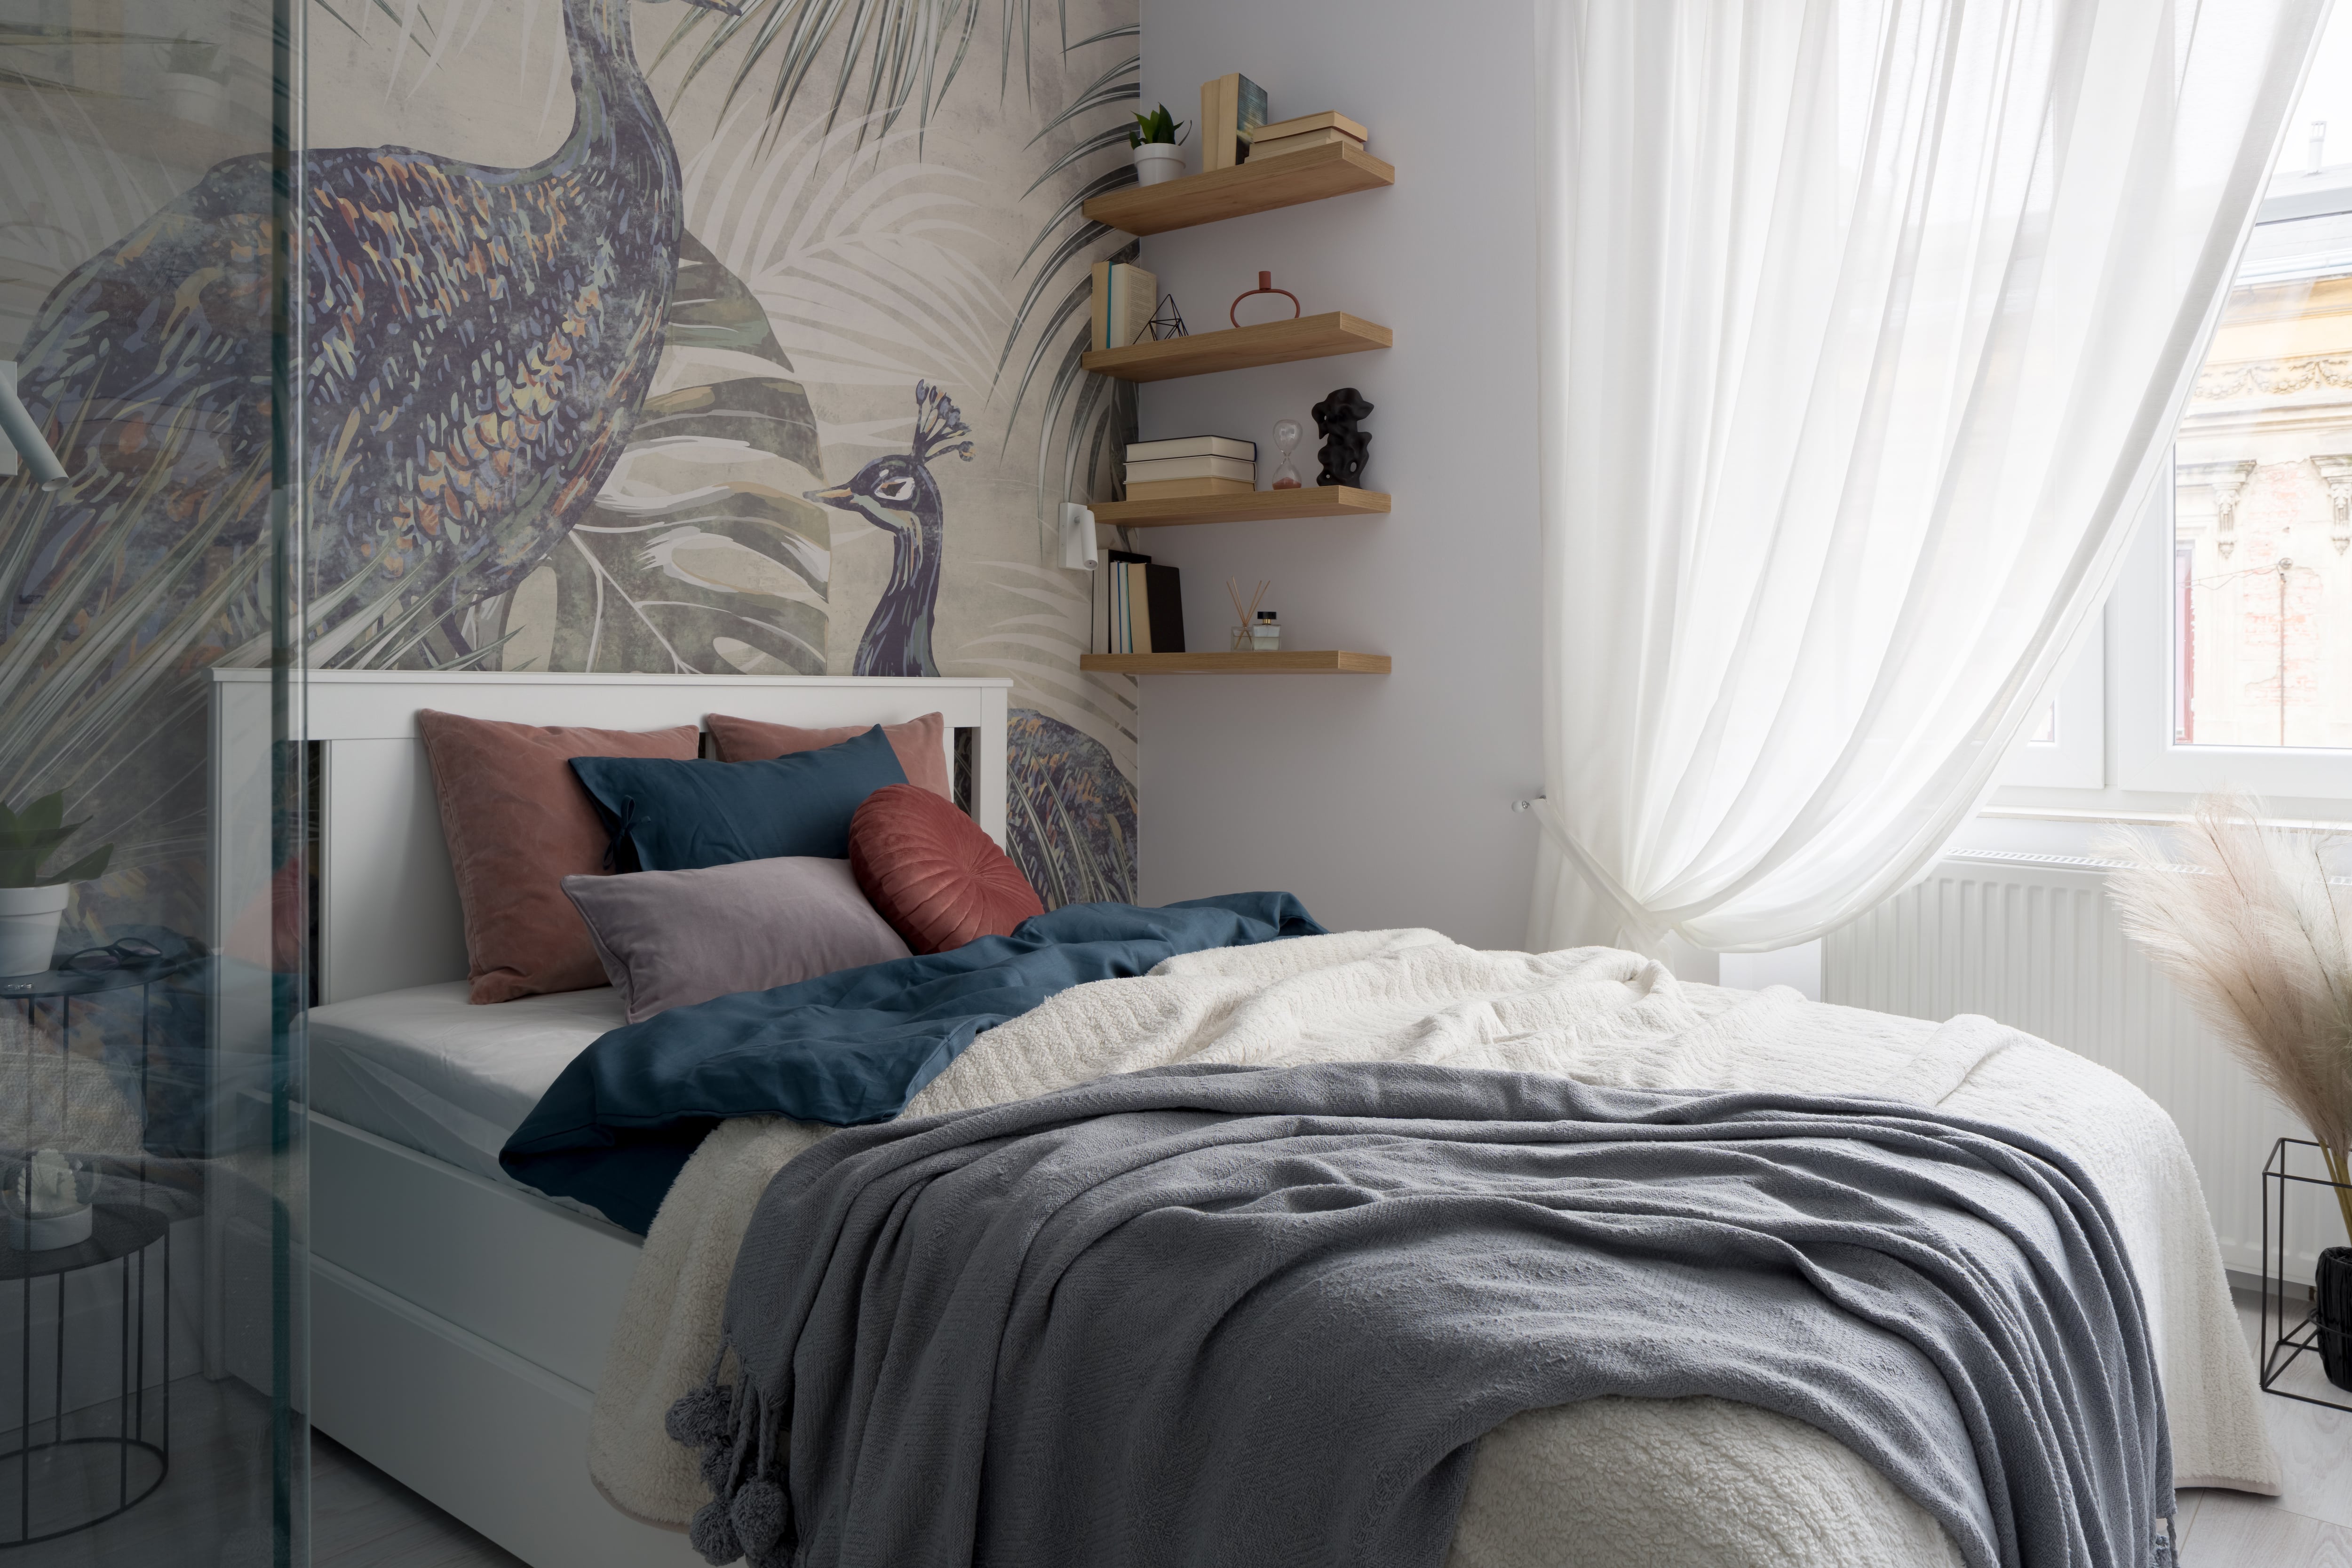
(1380, 800)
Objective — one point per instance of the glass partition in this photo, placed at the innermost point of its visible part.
(153, 929)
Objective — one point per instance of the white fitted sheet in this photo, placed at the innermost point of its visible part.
(431, 1072)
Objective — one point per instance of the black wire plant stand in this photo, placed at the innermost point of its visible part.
(2283, 1344)
(125, 1234)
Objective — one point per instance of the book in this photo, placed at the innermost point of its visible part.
(1209, 467)
(1116, 639)
(1123, 298)
(1305, 140)
(1139, 606)
(1192, 446)
(1329, 120)
(1177, 489)
(1232, 109)
(1144, 606)
(1155, 609)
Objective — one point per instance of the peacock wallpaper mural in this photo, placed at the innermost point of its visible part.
(705, 335)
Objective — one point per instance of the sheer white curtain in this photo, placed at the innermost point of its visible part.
(1865, 325)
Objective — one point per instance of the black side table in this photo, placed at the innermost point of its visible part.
(69, 1483)
(70, 1475)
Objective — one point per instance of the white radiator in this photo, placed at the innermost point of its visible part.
(2031, 941)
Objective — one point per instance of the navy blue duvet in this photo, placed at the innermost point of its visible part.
(848, 1048)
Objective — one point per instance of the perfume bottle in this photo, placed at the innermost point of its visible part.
(1286, 436)
(1266, 634)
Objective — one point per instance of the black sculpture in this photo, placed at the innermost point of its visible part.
(1346, 449)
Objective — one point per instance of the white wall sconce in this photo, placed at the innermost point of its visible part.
(1077, 537)
(24, 437)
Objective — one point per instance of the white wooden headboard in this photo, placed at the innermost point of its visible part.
(387, 913)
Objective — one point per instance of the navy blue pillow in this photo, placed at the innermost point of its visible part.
(682, 816)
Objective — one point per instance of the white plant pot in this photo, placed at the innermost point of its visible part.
(28, 927)
(1157, 162)
(40, 1232)
(194, 98)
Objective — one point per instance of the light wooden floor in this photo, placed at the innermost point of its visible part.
(361, 1518)
(2310, 1526)
(211, 1510)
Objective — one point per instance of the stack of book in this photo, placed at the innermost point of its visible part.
(1190, 466)
(1144, 606)
(1232, 109)
(1329, 128)
(1125, 297)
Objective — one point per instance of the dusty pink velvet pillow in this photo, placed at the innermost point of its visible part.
(918, 743)
(518, 823)
(933, 873)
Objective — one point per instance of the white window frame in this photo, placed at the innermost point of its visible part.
(2123, 690)
(2146, 756)
(2076, 757)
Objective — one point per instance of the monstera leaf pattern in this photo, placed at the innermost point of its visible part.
(701, 554)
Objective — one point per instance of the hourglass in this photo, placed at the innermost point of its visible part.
(1286, 436)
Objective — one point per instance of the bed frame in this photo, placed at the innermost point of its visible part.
(459, 1326)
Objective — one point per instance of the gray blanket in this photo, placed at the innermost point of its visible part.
(1233, 1316)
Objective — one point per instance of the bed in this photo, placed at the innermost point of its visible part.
(464, 1327)
(458, 1323)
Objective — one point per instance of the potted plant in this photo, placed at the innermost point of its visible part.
(2252, 929)
(32, 903)
(187, 84)
(1158, 139)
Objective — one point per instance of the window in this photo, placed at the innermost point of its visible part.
(2227, 645)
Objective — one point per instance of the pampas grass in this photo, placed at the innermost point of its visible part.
(2244, 920)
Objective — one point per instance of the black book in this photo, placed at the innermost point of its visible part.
(1160, 628)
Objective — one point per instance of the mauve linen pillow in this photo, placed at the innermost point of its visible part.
(917, 742)
(680, 816)
(518, 823)
(933, 873)
(671, 938)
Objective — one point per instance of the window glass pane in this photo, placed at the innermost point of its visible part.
(2263, 485)
(2261, 582)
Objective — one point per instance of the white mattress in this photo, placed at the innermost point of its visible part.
(432, 1072)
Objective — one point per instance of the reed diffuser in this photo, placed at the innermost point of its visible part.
(1242, 642)
(2246, 921)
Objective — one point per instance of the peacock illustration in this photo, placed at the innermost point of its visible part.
(480, 341)
(897, 494)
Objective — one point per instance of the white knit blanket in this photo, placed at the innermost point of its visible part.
(1695, 1482)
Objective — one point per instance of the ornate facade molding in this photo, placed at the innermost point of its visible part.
(2227, 481)
(2272, 378)
(2335, 469)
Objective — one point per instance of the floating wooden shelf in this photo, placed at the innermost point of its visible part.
(1243, 506)
(1290, 662)
(1240, 348)
(1246, 188)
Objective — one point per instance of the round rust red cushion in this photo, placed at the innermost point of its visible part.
(933, 873)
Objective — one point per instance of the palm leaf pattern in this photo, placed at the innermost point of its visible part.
(701, 554)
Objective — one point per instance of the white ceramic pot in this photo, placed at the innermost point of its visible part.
(194, 98)
(1157, 161)
(40, 1232)
(28, 927)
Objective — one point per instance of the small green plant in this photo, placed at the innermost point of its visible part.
(1158, 127)
(27, 837)
(189, 56)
